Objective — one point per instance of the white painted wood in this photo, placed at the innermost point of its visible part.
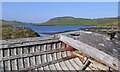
(101, 56)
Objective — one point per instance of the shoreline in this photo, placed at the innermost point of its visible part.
(101, 30)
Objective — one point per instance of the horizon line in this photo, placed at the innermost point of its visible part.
(60, 16)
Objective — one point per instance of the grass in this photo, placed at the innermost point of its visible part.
(81, 21)
(9, 32)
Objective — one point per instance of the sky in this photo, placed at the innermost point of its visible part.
(38, 12)
(61, 0)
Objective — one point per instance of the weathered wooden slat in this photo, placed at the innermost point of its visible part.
(57, 65)
(52, 57)
(77, 61)
(26, 44)
(47, 63)
(85, 65)
(95, 64)
(31, 54)
(101, 56)
(1, 62)
(20, 60)
(32, 58)
(37, 57)
(48, 56)
(70, 67)
(7, 64)
(63, 66)
(14, 61)
(74, 64)
(40, 56)
(27, 40)
(26, 61)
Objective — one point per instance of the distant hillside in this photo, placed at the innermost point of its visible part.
(9, 32)
(5, 22)
(81, 21)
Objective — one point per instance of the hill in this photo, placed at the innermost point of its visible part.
(9, 32)
(81, 21)
(6, 22)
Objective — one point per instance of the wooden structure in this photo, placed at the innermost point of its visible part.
(66, 51)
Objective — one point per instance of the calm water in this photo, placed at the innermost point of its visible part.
(51, 28)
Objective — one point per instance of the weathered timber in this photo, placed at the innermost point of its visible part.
(47, 63)
(27, 41)
(31, 54)
(49, 53)
(87, 63)
(90, 50)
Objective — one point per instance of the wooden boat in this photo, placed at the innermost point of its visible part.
(60, 52)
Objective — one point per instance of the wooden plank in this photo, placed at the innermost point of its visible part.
(63, 66)
(48, 57)
(87, 63)
(68, 64)
(77, 61)
(32, 58)
(31, 54)
(37, 57)
(52, 66)
(26, 40)
(47, 63)
(26, 61)
(101, 56)
(27, 44)
(40, 56)
(76, 67)
(1, 62)
(14, 61)
(20, 60)
(57, 65)
(44, 56)
(7, 64)
(95, 64)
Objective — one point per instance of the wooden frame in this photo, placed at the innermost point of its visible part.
(91, 51)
